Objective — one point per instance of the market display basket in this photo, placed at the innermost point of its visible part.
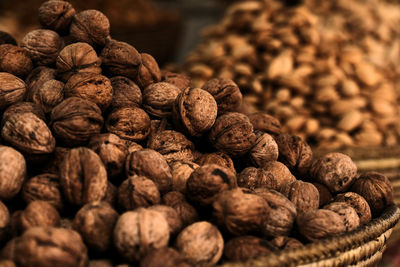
(361, 247)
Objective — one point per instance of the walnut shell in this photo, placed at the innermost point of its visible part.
(180, 80)
(261, 121)
(172, 217)
(15, 60)
(181, 171)
(36, 78)
(201, 244)
(305, 196)
(12, 172)
(376, 189)
(265, 149)
(149, 72)
(163, 257)
(56, 15)
(348, 214)
(284, 242)
(126, 93)
(219, 158)
(280, 172)
(158, 98)
(38, 213)
(358, 203)
(12, 89)
(177, 201)
(4, 222)
(49, 95)
(243, 248)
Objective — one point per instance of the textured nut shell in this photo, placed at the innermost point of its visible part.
(23, 107)
(163, 257)
(180, 80)
(49, 95)
(358, 203)
(243, 248)
(265, 149)
(281, 173)
(376, 189)
(4, 221)
(39, 213)
(177, 201)
(181, 171)
(12, 89)
(14, 60)
(137, 232)
(48, 246)
(348, 214)
(195, 111)
(284, 242)
(240, 211)
(75, 120)
(56, 15)
(45, 187)
(129, 123)
(138, 191)
(120, 58)
(95, 222)
(233, 134)
(42, 46)
(281, 213)
(335, 170)
(36, 78)
(28, 133)
(91, 86)
(12, 172)
(126, 93)
(207, 181)
(158, 98)
(325, 195)
(305, 196)
(149, 72)
(151, 164)
(201, 244)
(83, 177)
(252, 178)
(317, 224)
(172, 145)
(90, 26)
(261, 121)
(219, 158)
(171, 216)
(77, 57)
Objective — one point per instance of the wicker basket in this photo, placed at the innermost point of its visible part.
(361, 247)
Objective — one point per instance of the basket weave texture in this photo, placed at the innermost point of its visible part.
(361, 247)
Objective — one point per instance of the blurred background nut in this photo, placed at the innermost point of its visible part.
(12, 172)
(15, 60)
(243, 248)
(56, 15)
(178, 202)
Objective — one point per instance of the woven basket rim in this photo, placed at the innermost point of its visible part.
(329, 247)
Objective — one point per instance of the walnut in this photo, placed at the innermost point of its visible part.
(120, 59)
(219, 158)
(36, 78)
(233, 134)
(243, 248)
(265, 149)
(325, 195)
(284, 242)
(181, 171)
(15, 61)
(294, 153)
(180, 80)
(358, 203)
(305, 196)
(4, 222)
(56, 15)
(158, 98)
(95, 222)
(207, 181)
(376, 189)
(226, 93)
(281, 213)
(151, 164)
(100, 263)
(23, 107)
(172, 217)
(48, 246)
(335, 170)
(83, 177)
(319, 223)
(200, 243)
(172, 145)
(138, 191)
(163, 257)
(261, 121)
(126, 93)
(280, 172)
(12, 172)
(148, 72)
(252, 178)
(49, 95)
(348, 214)
(194, 111)
(139, 231)
(90, 86)
(240, 211)
(177, 201)
(12, 89)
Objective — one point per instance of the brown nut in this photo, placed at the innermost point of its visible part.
(77, 57)
(38, 213)
(12, 89)
(181, 171)
(42, 46)
(95, 222)
(36, 78)
(358, 203)
(75, 120)
(194, 111)
(201, 244)
(325, 195)
(243, 248)
(158, 98)
(148, 72)
(253, 178)
(335, 170)
(163, 257)
(139, 231)
(180, 80)
(177, 201)
(12, 172)
(129, 123)
(240, 211)
(281, 213)
(90, 26)
(126, 93)
(56, 15)
(207, 181)
(305, 196)
(172, 217)
(284, 242)
(219, 158)
(261, 121)
(4, 222)
(376, 189)
(280, 172)
(137, 191)
(90, 86)
(49, 95)
(348, 214)
(120, 59)
(83, 177)
(15, 60)
(23, 107)
(265, 149)
(151, 164)
(233, 134)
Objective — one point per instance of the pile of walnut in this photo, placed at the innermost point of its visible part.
(107, 161)
(328, 70)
